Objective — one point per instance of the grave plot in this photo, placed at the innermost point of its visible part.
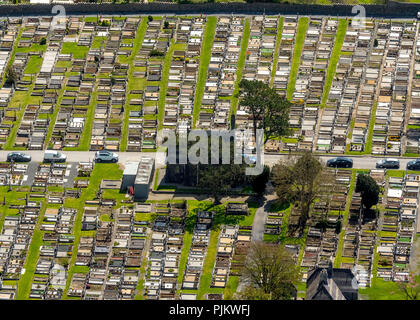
(343, 92)
(115, 263)
(155, 47)
(406, 227)
(183, 72)
(351, 235)
(198, 250)
(165, 251)
(192, 53)
(221, 73)
(390, 112)
(242, 246)
(323, 136)
(31, 65)
(260, 52)
(326, 216)
(306, 73)
(16, 237)
(78, 285)
(57, 247)
(368, 69)
(8, 35)
(412, 142)
(273, 224)
(99, 266)
(284, 62)
(75, 89)
(8, 115)
(317, 77)
(388, 233)
(13, 174)
(225, 250)
(258, 60)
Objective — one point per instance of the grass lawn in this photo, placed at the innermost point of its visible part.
(205, 55)
(300, 39)
(335, 55)
(209, 261)
(78, 52)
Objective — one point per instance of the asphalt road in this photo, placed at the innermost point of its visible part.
(359, 162)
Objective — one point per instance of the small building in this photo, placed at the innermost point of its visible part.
(129, 175)
(144, 178)
(331, 284)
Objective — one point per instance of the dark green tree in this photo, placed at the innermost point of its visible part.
(259, 182)
(268, 109)
(216, 179)
(11, 76)
(369, 190)
(270, 273)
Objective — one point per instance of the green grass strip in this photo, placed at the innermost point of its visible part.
(300, 39)
(209, 261)
(335, 56)
(205, 56)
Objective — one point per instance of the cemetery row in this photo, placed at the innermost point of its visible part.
(110, 83)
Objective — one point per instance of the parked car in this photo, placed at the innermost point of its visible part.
(18, 157)
(388, 163)
(413, 164)
(106, 156)
(340, 162)
(54, 156)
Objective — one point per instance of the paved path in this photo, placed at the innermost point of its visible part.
(259, 222)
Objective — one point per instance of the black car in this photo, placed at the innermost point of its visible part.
(414, 164)
(18, 157)
(388, 163)
(340, 162)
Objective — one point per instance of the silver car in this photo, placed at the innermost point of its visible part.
(106, 156)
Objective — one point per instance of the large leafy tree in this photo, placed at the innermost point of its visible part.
(270, 273)
(299, 181)
(216, 179)
(369, 190)
(269, 110)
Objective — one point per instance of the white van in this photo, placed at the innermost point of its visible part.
(54, 156)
